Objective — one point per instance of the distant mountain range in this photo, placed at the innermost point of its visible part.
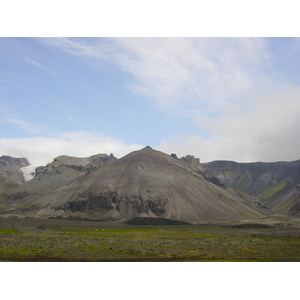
(276, 184)
(149, 183)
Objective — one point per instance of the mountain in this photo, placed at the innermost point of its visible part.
(10, 173)
(144, 183)
(276, 184)
(10, 168)
(63, 169)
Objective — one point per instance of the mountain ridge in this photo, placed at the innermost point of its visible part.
(272, 183)
(87, 185)
(144, 183)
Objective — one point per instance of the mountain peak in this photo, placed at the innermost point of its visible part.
(146, 182)
(14, 162)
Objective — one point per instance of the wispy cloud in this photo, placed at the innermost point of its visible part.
(182, 75)
(91, 48)
(227, 85)
(190, 75)
(38, 65)
(21, 124)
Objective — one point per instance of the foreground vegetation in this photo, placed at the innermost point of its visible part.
(149, 243)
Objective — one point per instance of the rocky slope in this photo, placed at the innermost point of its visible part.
(63, 169)
(277, 184)
(10, 173)
(10, 168)
(145, 183)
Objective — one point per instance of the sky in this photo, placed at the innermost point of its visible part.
(214, 98)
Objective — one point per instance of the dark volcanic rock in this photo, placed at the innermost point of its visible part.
(173, 155)
(214, 180)
(190, 159)
(88, 201)
(155, 221)
(295, 209)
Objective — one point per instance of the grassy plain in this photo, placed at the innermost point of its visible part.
(62, 240)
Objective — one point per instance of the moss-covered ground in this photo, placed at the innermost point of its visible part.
(275, 191)
(150, 243)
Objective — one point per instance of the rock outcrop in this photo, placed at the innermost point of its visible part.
(189, 159)
(10, 168)
(10, 173)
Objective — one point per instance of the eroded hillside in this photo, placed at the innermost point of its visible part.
(149, 183)
(142, 183)
(277, 184)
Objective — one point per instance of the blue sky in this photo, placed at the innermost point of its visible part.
(215, 98)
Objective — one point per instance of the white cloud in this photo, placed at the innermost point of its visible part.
(181, 75)
(254, 118)
(42, 150)
(197, 70)
(266, 130)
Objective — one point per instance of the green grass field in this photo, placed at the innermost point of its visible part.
(152, 243)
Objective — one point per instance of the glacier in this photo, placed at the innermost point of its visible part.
(28, 172)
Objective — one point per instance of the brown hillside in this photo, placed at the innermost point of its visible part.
(143, 183)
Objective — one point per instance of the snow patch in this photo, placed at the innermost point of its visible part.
(28, 172)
